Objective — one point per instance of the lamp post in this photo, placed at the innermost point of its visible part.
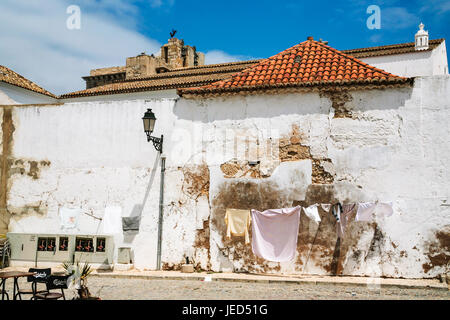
(149, 120)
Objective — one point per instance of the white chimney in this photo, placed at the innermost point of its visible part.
(421, 38)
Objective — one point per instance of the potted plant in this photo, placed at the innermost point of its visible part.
(78, 275)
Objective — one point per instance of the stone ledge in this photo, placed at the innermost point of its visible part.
(323, 280)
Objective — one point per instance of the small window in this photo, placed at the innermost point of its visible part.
(46, 244)
(84, 245)
(101, 244)
(166, 54)
(63, 243)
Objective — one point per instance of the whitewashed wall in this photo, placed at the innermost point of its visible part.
(419, 63)
(10, 94)
(395, 147)
(99, 156)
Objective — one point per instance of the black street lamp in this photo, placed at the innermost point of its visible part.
(149, 120)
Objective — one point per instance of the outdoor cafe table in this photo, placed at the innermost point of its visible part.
(12, 274)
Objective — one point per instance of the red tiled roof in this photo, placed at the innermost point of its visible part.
(174, 79)
(11, 77)
(310, 63)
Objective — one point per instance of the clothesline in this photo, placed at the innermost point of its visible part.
(275, 231)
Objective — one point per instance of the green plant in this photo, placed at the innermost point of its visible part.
(82, 272)
(78, 277)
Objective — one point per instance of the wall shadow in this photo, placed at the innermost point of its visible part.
(136, 212)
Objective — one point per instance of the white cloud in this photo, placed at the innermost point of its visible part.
(219, 56)
(397, 18)
(38, 45)
(156, 3)
(375, 38)
(436, 6)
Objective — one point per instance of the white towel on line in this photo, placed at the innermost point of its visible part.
(312, 212)
(112, 220)
(275, 233)
(69, 217)
(368, 210)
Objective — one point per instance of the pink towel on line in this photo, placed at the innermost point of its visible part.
(275, 233)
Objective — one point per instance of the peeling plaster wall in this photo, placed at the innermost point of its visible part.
(387, 145)
(259, 152)
(89, 155)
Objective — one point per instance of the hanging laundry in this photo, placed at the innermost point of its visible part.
(112, 220)
(69, 217)
(238, 221)
(345, 218)
(336, 211)
(131, 223)
(275, 233)
(312, 213)
(367, 210)
(385, 209)
(326, 207)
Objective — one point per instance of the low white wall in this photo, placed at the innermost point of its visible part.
(393, 147)
(10, 95)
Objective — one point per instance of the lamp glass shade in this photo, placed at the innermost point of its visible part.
(149, 120)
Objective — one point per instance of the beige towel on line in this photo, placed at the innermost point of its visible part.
(238, 222)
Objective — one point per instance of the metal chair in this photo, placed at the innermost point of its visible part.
(5, 255)
(53, 282)
(5, 252)
(40, 276)
(3, 293)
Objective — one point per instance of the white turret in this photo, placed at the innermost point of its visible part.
(421, 38)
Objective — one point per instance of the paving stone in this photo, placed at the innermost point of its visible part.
(110, 288)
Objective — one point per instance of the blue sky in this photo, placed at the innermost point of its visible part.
(262, 28)
(35, 41)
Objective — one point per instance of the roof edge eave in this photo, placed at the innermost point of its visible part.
(268, 89)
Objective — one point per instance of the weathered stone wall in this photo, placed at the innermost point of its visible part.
(249, 152)
(385, 145)
(103, 71)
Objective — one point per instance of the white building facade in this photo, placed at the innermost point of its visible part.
(259, 151)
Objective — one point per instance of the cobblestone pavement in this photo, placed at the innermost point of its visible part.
(139, 289)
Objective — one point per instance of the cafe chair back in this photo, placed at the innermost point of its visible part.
(53, 283)
(40, 276)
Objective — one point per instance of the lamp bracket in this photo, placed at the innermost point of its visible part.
(157, 142)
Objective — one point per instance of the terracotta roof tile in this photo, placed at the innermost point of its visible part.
(148, 85)
(325, 62)
(11, 77)
(344, 69)
(174, 79)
